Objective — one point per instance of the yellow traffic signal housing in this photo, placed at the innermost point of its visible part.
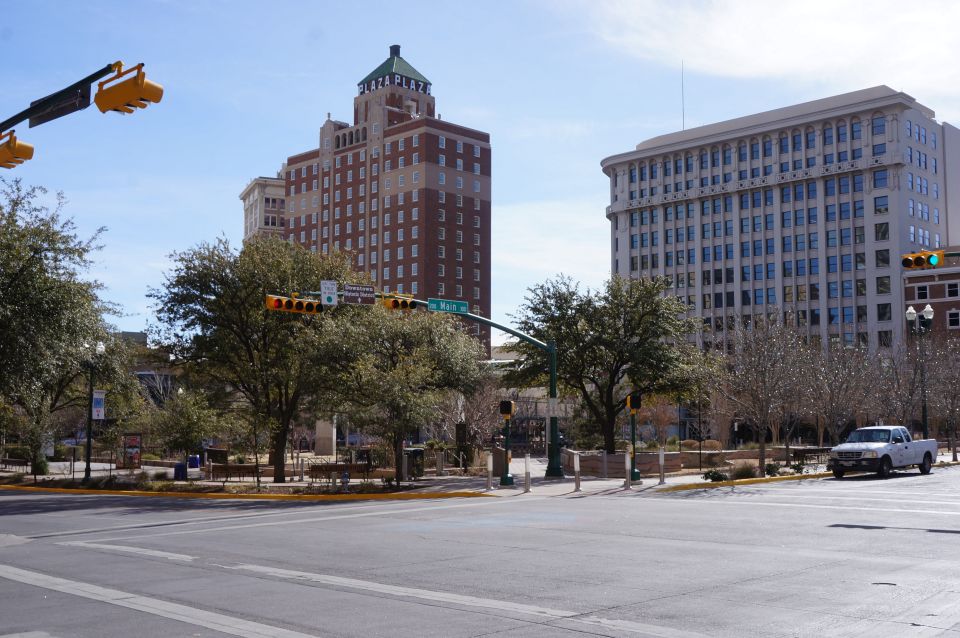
(923, 259)
(293, 304)
(507, 409)
(398, 301)
(133, 93)
(14, 152)
(633, 401)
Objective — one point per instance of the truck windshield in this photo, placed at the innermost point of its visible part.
(869, 436)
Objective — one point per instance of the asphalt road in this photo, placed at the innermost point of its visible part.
(857, 557)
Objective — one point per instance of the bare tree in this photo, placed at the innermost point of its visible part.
(945, 386)
(897, 389)
(762, 372)
(660, 411)
(838, 384)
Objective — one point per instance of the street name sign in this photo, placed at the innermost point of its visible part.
(357, 294)
(447, 305)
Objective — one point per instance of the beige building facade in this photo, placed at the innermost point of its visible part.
(803, 210)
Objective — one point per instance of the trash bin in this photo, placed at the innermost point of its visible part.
(193, 461)
(180, 472)
(414, 457)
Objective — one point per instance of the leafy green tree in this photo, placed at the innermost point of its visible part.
(395, 368)
(629, 335)
(184, 421)
(213, 319)
(49, 317)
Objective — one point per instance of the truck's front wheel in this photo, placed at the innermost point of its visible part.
(926, 464)
(838, 474)
(886, 466)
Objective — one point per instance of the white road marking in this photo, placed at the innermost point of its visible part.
(467, 601)
(153, 553)
(334, 517)
(859, 499)
(190, 615)
(845, 508)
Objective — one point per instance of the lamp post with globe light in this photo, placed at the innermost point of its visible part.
(922, 322)
(91, 366)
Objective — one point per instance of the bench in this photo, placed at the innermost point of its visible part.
(333, 471)
(14, 463)
(227, 471)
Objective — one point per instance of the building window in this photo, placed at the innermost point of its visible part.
(923, 292)
(953, 318)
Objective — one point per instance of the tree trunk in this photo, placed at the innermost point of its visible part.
(278, 456)
(763, 452)
(609, 443)
(953, 442)
(398, 457)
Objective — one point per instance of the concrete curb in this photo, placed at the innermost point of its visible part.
(398, 496)
(769, 479)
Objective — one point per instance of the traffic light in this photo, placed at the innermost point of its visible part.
(398, 301)
(507, 408)
(133, 93)
(293, 304)
(633, 401)
(923, 259)
(14, 152)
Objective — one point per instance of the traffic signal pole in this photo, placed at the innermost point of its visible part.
(554, 467)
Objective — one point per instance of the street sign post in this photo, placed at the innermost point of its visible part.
(357, 294)
(447, 305)
(328, 293)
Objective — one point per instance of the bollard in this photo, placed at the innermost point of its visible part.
(626, 471)
(576, 472)
(490, 470)
(604, 472)
(526, 473)
(662, 479)
(301, 470)
(403, 466)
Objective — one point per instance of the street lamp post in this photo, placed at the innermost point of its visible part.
(923, 321)
(91, 367)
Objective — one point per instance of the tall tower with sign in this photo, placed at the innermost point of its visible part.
(403, 191)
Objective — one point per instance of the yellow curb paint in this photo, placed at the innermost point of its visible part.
(399, 496)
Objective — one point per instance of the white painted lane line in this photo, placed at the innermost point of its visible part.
(467, 601)
(334, 517)
(190, 615)
(153, 553)
(859, 499)
(845, 508)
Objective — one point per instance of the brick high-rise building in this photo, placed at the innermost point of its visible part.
(405, 193)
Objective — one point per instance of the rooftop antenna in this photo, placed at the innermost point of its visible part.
(683, 101)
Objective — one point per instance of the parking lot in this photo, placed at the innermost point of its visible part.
(821, 557)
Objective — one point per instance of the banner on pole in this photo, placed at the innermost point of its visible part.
(99, 413)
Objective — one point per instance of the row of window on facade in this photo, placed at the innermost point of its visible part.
(796, 142)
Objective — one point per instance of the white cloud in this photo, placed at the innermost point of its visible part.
(834, 46)
(535, 241)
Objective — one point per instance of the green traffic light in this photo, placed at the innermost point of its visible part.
(933, 260)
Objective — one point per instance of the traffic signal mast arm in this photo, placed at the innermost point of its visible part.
(73, 93)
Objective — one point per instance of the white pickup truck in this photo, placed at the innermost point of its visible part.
(880, 449)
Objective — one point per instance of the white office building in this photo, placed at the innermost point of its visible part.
(804, 209)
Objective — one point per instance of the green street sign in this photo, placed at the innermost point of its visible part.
(446, 305)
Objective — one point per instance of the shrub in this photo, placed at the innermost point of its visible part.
(40, 466)
(240, 459)
(690, 444)
(149, 457)
(771, 469)
(17, 452)
(160, 475)
(744, 471)
(652, 445)
(714, 476)
(712, 446)
(60, 452)
(797, 467)
(750, 445)
(672, 440)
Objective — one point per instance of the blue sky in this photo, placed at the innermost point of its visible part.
(558, 85)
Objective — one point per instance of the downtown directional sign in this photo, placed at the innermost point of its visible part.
(357, 294)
